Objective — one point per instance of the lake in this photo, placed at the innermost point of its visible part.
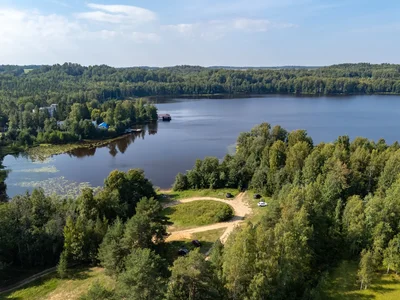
(205, 127)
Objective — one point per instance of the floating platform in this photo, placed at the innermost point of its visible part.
(164, 117)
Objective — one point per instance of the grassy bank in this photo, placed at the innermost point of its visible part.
(220, 193)
(52, 287)
(44, 151)
(197, 213)
(342, 284)
(209, 236)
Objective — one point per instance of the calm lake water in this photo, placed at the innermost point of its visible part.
(205, 127)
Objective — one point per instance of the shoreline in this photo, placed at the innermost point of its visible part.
(44, 151)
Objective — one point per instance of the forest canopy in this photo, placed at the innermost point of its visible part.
(326, 203)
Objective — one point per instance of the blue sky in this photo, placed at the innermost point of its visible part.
(199, 32)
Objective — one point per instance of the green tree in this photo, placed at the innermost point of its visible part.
(366, 269)
(192, 279)
(62, 266)
(354, 224)
(391, 255)
(181, 182)
(111, 250)
(142, 276)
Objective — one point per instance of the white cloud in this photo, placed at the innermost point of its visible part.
(181, 28)
(216, 29)
(117, 14)
(28, 36)
(142, 37)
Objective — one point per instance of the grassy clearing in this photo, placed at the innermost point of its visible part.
(342, 284)
(220, 193)
(197, 213)
(258, 212)
(209, 236)
(207, 239)
(54, 288)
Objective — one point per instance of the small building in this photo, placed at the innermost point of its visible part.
(51, 109)
(164, 117)
(104, 125)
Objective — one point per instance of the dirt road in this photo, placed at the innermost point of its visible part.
(240, 207)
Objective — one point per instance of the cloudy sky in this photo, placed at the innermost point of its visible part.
(199, 32)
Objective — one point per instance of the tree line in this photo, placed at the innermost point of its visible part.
(120, 228)
(31, 125)
(329, 202)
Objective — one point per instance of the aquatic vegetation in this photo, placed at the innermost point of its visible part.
(44, 169)
(58, 185)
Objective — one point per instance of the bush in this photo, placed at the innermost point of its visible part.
(97, 292)
(224, 214)
(181, 182)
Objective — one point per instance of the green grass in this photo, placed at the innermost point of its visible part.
(342, 284)
(207, 239)
(258, 212)
(220, 193)
(198, 213)
(52, 287)
(209, 236)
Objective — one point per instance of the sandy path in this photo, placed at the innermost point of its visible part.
(238, 204)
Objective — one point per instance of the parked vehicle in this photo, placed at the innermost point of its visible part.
(262, 204)
(183, 251)
(196, 243)
(257, 196)
(229, 195)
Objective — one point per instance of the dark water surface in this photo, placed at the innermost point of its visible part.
(206, 127)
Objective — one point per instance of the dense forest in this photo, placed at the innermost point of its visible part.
(92, 93)
(328, 202)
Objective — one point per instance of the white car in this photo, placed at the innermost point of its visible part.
(262, 204)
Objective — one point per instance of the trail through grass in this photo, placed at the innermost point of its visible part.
(51, 287)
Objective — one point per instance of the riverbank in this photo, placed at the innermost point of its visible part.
(44, 151)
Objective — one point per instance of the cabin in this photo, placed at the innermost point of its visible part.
(51, 109)
(164, 117)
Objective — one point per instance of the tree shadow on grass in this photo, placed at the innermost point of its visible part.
(79, 274)
(169, 251)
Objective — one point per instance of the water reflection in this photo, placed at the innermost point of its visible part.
(120, 145)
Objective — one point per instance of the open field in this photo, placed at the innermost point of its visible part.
(342, 284)
(51, 287)
(197, 213)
